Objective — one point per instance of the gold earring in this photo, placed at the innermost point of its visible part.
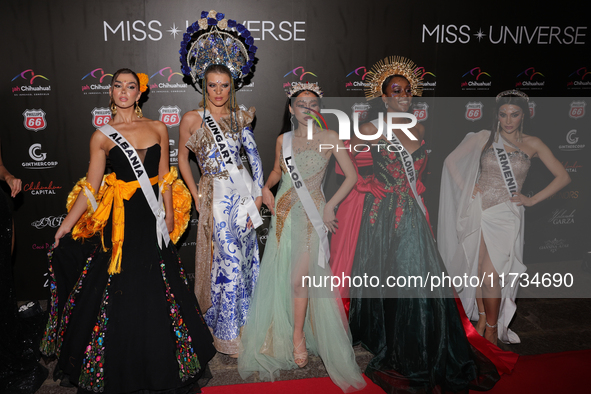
(138, 111)
(113, 109)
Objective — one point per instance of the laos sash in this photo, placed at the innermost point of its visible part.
(304, 195)
(227, 162)
(407, 163)
(505, 166)
(157, 205)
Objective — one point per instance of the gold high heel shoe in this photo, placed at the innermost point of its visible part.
(300, 358)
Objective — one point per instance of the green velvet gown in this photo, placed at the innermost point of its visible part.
(416, 335)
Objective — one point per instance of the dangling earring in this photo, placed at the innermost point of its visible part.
(520, 135)
(138, 111)
(386, 105)
(498, 126)
(113, 109)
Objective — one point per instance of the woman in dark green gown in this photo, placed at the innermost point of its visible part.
(416, 335)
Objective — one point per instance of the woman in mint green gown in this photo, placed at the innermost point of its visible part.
(288, 319)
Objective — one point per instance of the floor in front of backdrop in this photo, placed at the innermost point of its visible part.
(545, 326)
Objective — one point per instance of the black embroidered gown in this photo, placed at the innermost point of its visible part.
(139, 330)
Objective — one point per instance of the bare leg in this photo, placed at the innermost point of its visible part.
(491, 293)
(300, 307)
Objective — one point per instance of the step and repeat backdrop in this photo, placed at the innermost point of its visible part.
(59, 57)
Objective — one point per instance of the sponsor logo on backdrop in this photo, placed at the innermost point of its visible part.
(154, 30)
(39, 157)
(530, 79)
(166, 80)
(173, 153)
(41, 246)
(100, 116)
(579, 79)
(476, 79)
(246, 88)
(552, 245)
(577, 109)
(362, 109)
(263, 235)
(566, 195)
(27, 83)
(572, 139)
(37, 189)
(301, 76)
(474, 110)
(49, 221)
(429, 82)
(170, 115)
(265, 212)
(421, 111)
(96, 82)
(571, 167)
(532, 108)
(34, 119)
(498, 35)
(562, 216)
(355, 80)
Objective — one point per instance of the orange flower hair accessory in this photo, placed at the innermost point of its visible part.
(143, 81)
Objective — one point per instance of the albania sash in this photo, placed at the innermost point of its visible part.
(304, 195)
(157, 205)
(505, 166)
(227, 162)
(407, 163)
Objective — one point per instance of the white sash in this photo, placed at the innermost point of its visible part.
(157, 206)
(227, 163)
(407, 163)
(505, 166)
(304, 195)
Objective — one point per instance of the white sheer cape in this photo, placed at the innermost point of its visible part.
(461, 223)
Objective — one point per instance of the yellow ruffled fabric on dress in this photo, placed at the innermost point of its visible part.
(110, 197)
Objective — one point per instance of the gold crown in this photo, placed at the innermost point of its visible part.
(393, 65)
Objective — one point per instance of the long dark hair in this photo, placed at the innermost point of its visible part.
(287, 124)
(509, 100)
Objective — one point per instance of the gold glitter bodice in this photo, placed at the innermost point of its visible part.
(202, 144)
(312, 167)
(491, 182)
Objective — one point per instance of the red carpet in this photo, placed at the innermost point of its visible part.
(565, 372)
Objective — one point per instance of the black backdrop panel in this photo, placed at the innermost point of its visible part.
(58, 57)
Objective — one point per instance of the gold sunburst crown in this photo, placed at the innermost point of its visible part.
(393, 65)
